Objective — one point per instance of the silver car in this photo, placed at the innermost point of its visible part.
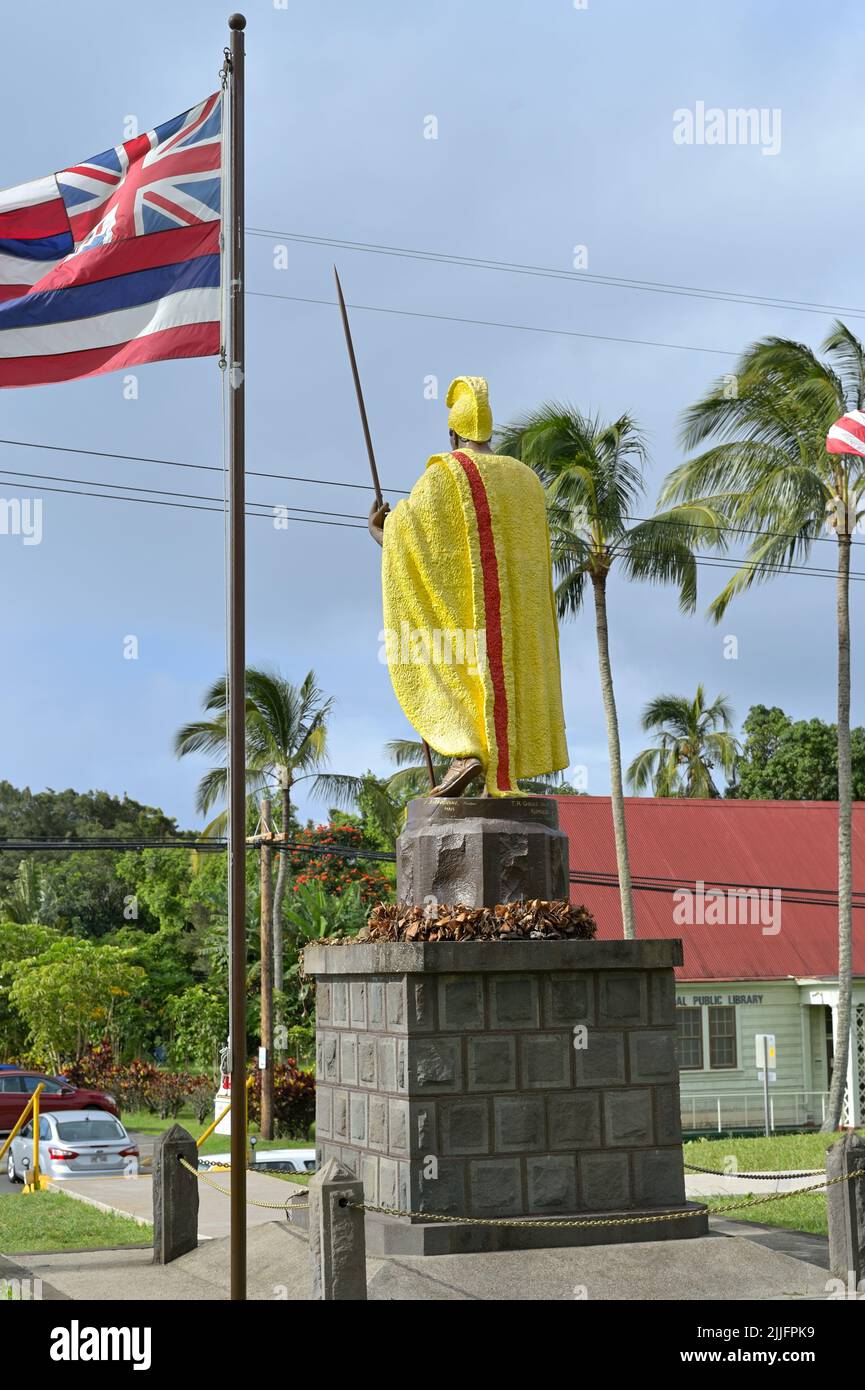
(74, 1144)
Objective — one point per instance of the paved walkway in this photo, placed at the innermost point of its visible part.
(717, 1266)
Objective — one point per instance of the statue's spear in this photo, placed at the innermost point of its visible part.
(369, 449)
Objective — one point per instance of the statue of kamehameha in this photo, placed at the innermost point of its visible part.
(469, 615)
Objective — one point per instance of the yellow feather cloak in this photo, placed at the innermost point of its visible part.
(470, 630)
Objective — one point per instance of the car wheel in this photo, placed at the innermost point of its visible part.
(10, 1168)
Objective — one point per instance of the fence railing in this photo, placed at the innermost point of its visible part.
(744, 1110)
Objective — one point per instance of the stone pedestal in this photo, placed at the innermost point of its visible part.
(481, 851)
(503, 1079)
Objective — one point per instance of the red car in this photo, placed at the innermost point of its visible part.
(16, 1088)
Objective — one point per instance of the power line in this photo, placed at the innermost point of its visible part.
(353, 521)
(492, 323)
(164, 492)
(359, 524)
(184, 506)
(332, 482)
(178, 463)
(557, 273)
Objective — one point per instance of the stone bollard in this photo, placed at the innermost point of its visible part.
(846, 1206)
(175, 1196)
(337, 1242)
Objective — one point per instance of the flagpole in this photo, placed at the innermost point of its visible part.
(237, 667)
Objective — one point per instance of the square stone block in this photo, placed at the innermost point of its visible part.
(568, 1000)
(340, 1115)
(387, 1078)
(421, 1006)
(662, 997)
(668, 1119)
(545, 1059)
(422, 1132)
(322, 1002)
(394, 998)
(628, 1118)
(552, 1183)
(605, 1181)
(339, 1001)
(328, 1063)
(357, 1003)
(623, 1000)
(435, 1064)
(602, 1061)
(367, 1054)
(348, 1058)
(445, 1192)
(464, 1126)
(461, 1002)
(323, 1112)
(398, 1127)
(369, 1176)
(388, 1182)
(519, 1123)
(653, 1056)
(574, 1120)
(496, 1187)
(357, 1109)
(375, 1003)
(377, 1119)
(659, 1177)
(492, 1063)
(513, 1001)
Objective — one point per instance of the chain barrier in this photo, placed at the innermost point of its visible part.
(766, 1176)
(288, 1206)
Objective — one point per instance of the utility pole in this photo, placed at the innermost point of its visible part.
(266, 1032)
(233, 231)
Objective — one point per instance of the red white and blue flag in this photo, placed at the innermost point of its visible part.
(847, 435)
(115, 261)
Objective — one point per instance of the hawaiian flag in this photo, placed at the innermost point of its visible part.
(115, 261)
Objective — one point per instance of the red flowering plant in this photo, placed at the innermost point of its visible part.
(334, 871)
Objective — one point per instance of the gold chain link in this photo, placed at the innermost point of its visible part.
(289, 1206)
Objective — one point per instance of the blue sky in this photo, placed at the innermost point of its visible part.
(554, 129)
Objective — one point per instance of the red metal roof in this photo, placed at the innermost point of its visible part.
(789, 846)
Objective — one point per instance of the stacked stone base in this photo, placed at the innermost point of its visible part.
(507, 1080)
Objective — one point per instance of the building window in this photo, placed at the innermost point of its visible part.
(722, 1037)
(690, 1023)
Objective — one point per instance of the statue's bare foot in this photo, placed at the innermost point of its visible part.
(459, 775)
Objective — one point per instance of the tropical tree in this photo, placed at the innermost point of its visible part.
(286, 740)
(769, 474)
(692, 739)
(793, 760)
(74, 993)
(593, 475)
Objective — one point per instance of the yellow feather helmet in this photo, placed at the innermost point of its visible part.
(470, 416)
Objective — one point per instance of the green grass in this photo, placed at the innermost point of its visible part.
(779, 1153)
(48, 1221)
(798, 1212)
(143, 1122)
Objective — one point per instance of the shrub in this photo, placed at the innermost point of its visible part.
(293, 1100)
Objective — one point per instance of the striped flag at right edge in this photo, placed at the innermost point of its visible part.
(847, 435)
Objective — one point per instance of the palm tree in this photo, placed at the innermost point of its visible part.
(771, 476)
(593, 474)
(286, 740)
(692, 739)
